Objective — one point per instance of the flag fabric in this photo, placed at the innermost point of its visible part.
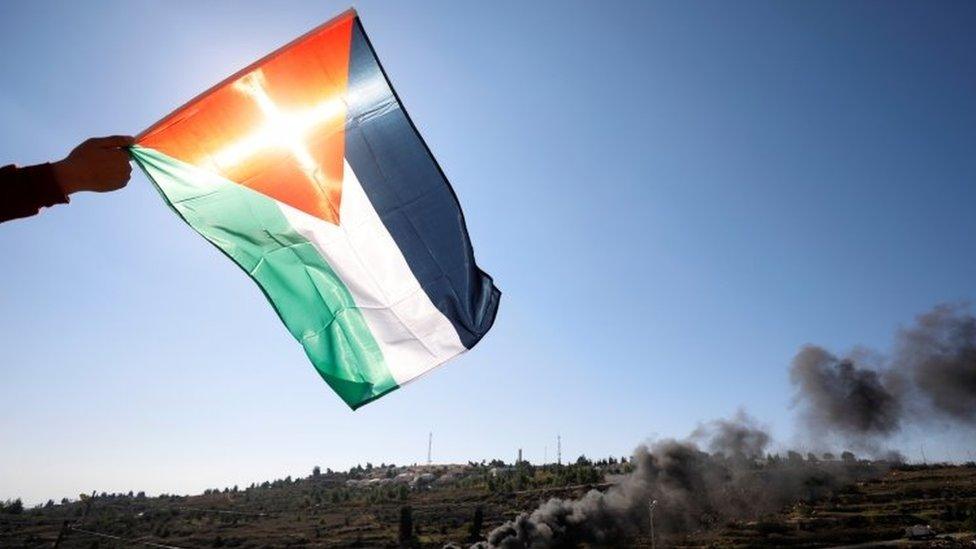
(305, 169)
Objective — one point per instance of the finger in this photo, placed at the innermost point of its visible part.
(118, 155)
(117, 181)
(121, 171)
(115, 141)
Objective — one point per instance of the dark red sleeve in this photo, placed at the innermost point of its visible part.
(24, 191)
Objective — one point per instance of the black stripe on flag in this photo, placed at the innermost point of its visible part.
(413, 196)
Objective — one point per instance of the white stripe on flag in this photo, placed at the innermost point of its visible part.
(412, 333)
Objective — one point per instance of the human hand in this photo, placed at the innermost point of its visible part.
(99, 164)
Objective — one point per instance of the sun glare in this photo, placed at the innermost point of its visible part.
(285, 130)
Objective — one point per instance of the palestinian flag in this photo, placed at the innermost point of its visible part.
(305, 169)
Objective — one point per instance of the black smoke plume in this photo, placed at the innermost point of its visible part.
(839, 396)
(938, 356)
(738, 438)
(930, 376)
(693, 489)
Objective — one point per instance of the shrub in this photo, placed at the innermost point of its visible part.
(477, 522)
(405, 535)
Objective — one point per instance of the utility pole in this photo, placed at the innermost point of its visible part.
(559, 450)
(545, 455)
(430, 442)
(925, 461)
(651, 507)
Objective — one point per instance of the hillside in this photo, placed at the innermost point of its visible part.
(362, 508)
(876, 510)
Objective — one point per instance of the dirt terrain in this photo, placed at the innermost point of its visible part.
(877, 510)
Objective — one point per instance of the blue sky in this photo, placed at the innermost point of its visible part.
(673, 198)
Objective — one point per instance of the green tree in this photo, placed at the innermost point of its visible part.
(14, 507)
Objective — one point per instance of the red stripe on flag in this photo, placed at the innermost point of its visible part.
(277, 127)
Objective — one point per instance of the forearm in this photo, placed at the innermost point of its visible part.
(24, 191)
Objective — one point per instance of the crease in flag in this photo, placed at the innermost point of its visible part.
(306, 171)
